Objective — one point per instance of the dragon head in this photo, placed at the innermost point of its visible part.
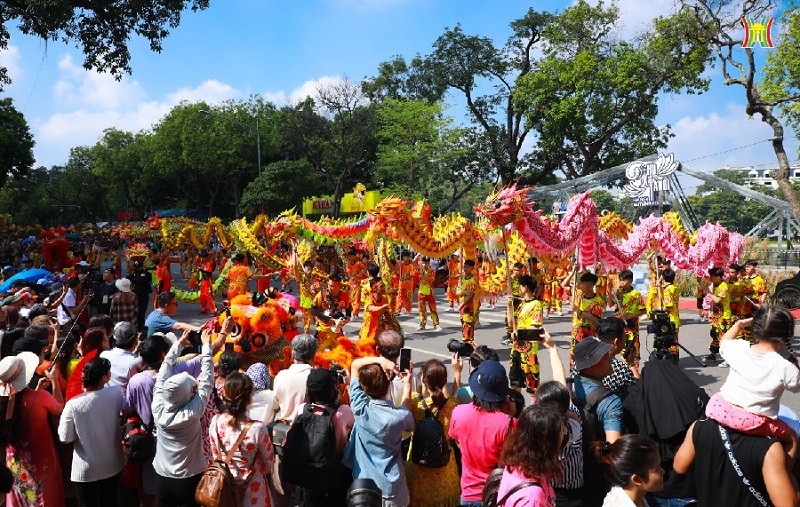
(506, 205)
(391, 209)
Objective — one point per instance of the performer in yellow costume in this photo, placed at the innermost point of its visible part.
(528, 316)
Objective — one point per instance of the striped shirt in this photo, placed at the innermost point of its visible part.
(572, 454)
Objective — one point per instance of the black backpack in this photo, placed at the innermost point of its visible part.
(595, 485)
(429, 445)
(309, 454)
(137, 440)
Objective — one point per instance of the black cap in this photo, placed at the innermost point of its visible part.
(320, 381)
(28, 344)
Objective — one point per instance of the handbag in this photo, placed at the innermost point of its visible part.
(277, 433)
(217, 487)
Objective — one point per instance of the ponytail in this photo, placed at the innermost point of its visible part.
(630, 455)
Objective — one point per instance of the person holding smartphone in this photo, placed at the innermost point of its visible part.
(525, 338)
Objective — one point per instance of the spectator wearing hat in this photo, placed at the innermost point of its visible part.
(34, 340)
(178, 405)
(30, 451)
(160, 320)
(91, 422)
(262, 406)
(480, 428)
(124, 303)
(106, 292)
(142, 286)
(374, 448)
(124, 362)
(593, 364)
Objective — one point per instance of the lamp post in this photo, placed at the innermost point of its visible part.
(257, 133)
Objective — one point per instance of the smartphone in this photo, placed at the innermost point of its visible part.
(535, 334)
(405, 359)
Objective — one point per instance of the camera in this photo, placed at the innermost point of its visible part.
(464, 349)
(194, 337)
(664, 334)
(338, 372)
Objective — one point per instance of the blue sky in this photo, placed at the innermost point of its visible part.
(280, 49)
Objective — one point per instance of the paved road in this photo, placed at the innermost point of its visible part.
(429, 344)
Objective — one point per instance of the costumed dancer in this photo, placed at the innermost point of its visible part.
(588, 310)
(528, 316)
(671, 299)
(305, 283)
(405, 272)
(426, 299)
(755, 293)
(356, 273)
(736, 285)
(554, 292)
(653, 288)
(468, 302)
(539, 276)
(720, 309)
(453, 278)
(331, 309)
(631, 307)
(377, 310)
(239, 276)
(516, 300)
(164, 273)
(205, 273)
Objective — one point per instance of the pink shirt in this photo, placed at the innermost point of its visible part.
(343, 421)
(532, 496)
(480, 436)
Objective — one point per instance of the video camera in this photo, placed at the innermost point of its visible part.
(338, 372)
(464, 349)
(665, 335)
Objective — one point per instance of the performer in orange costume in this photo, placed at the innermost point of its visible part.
(405, 272)
(453, 278)
(356, 274)
(205, 272)
(332, 311)
(425, 297)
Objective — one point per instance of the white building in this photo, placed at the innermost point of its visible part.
(763, 175)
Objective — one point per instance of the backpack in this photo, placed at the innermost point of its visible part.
(137, 440)
(595, 485)
(309, 459)
(217, 487)
(492, 486)
(429, 445)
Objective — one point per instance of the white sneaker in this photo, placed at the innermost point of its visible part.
(450, 309)
(437, 327)
(505, 342)
(724, 364)
(420, 328)
(546, 316)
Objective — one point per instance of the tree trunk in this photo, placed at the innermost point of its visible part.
(783, 173)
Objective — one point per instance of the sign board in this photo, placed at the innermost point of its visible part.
(354, 203)
(649, 182)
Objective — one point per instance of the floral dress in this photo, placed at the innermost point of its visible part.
(34, 462)
(251, 463)
(434, 487)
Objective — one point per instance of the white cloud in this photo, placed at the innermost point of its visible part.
(10, 58)
(635, 16)
(93, 102)
(299, 94)
(727, 137)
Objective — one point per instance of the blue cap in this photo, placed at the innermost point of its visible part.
(489, 381)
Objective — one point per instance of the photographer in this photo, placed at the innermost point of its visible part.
(160, 320)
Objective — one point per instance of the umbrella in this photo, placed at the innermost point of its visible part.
(29, 239)
(72, 236)
(29, 275)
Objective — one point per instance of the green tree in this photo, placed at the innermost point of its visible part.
(102, 30)
(593, 99)
(770, 93)
(282, 185)
(16, 142)
(468, 64)
(29, 199)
